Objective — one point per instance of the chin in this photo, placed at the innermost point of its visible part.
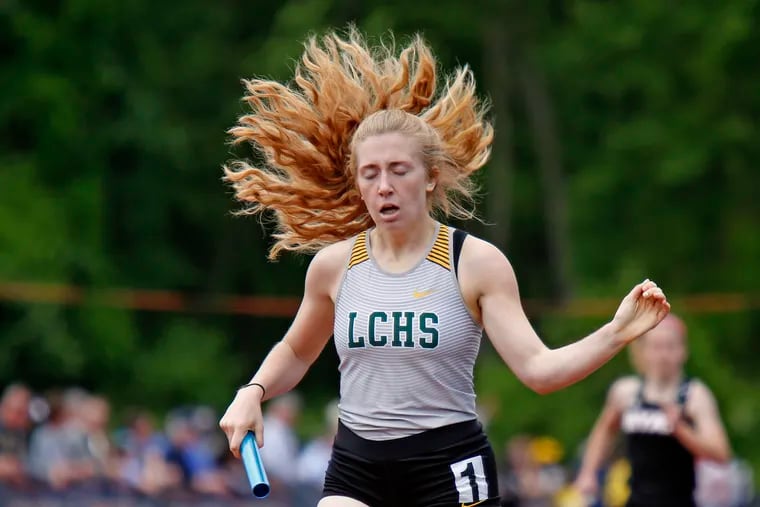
(390, 224)
(392, 221)
(664, 375)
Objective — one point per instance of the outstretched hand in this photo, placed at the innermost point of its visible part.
(641, 310)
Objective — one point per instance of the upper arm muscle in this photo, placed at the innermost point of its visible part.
(313, 324)
(489, 285)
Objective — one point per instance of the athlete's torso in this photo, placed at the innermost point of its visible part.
(407, 344)
(662, 469)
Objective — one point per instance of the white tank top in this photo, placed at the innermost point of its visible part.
(407, 344)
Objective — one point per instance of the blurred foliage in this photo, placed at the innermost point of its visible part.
(112, 134)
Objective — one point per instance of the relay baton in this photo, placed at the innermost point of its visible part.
(254, 468)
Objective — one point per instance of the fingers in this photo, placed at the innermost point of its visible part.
(226, 428)
(653, 292)
(637, 290)
(654, 299)
(648, 297)
(236, 440)
(646, 288)
(241, 417)
(650, 291)
(663, 311)
(235, 435)
(258, 431)
(642, 309)
(654, 296)
(229, 432)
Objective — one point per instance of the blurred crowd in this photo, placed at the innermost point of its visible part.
(536, 473)
(64, 447)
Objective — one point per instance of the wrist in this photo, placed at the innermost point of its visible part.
(618, 338)
(255, 387)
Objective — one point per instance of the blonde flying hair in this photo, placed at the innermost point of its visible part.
(343, 92)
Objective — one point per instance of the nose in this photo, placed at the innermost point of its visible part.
(384, 187)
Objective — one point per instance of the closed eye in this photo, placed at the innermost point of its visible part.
(399, 168)
(368, 173)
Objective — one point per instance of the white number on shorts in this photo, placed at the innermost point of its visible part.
(470, 479)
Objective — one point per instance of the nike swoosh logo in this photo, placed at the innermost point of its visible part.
(473, 504)
(422, 293)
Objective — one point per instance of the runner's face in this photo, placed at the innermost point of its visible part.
(664, 352)
(392, 179)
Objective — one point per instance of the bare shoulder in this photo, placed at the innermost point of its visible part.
(477, 250)
(327, 267)
(482, 262)
(484, 271)
(622, 392)
(698, 388)
(333, 257)
(700, 396)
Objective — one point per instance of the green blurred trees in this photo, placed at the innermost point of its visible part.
(625, 148)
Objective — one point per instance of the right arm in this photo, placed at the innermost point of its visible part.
(603, 435)
(289, 360)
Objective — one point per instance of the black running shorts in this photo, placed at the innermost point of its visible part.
(444, 467)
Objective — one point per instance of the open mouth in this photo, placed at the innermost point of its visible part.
(388, 209)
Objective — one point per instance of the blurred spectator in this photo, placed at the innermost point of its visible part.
(139, 465)
(281, 445)
(140, 435)
(531, 477)
(191, 454)
(616, 488)
(235, 476)
(95, 415)
(313, 460)
(59, 451)
(723, 484)
(143, 466)
(15, 425)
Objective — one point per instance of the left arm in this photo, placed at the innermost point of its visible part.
(490, 287)
(707, 438)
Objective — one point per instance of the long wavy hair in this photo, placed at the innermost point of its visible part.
(344, 91)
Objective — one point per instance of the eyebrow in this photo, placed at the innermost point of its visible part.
(391, 163)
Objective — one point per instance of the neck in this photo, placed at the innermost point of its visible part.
(396, 243)
(661, 384)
